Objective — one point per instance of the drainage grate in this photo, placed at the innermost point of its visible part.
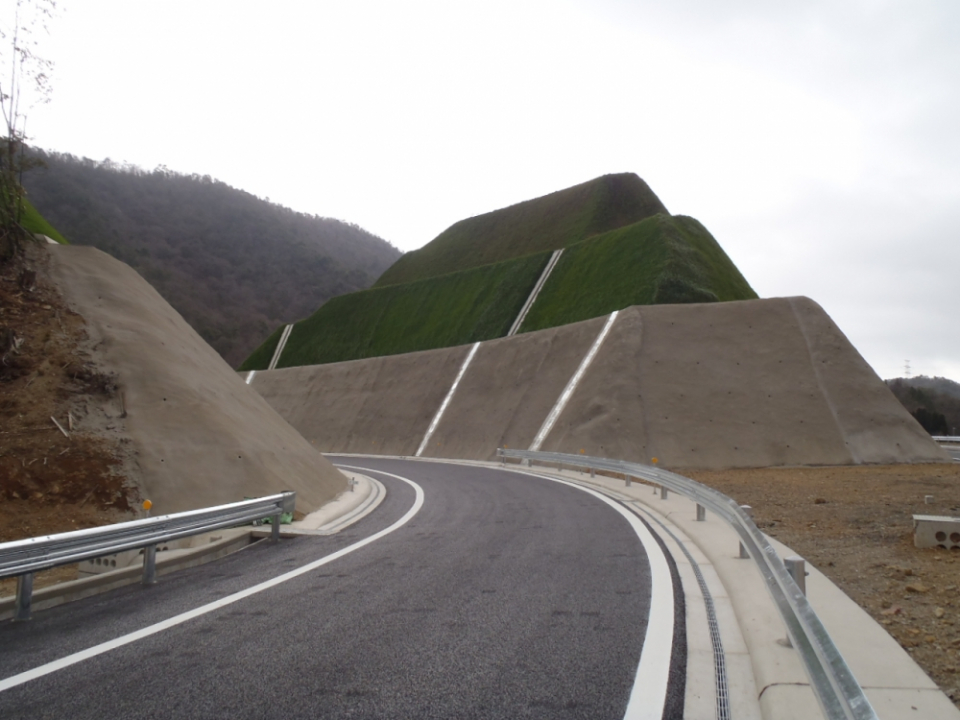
(719, 664)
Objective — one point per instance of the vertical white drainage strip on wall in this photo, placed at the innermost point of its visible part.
(250, 376)
(552, 263)
(446, 400)
(283, 341)
(572, 385)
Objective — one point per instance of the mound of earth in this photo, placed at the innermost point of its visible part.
(49, 370)
(201, 436)
(545, 223)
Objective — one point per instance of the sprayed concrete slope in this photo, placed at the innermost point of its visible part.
(741, 384)
(202, 436)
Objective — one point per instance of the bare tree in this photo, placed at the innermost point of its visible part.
(24, 84)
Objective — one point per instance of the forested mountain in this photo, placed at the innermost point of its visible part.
(232, 264)
(934, 402)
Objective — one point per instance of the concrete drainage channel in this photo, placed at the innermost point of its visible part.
(105, 573)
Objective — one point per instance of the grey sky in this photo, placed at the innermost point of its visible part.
(818, 142)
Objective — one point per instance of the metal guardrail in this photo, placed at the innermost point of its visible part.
(837, 690)
(946, 439)
(22, 558)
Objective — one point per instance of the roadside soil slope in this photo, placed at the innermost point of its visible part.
(855, 525)
(48, 369)
(147, 408)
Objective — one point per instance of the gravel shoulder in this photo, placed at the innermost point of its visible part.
(854, 523)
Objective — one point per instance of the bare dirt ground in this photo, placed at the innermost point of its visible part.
(855, 525)
(50, 482)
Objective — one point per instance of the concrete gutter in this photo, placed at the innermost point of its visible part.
(346, 509)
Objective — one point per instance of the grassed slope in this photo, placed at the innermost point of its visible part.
(260, 358)
(33, 221)
(546, 223)
(660, 260)
(476, 304)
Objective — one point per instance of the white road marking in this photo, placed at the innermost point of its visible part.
(446, 400)
(649, 693)
(572, 384)
(64, 662)
(250, 376)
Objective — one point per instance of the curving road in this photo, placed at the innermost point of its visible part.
(504, 595)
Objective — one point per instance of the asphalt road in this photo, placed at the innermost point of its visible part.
(504, 596)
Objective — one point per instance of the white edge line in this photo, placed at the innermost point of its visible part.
(649, 693)
(64, 662)
(446, 400)
(572, 385)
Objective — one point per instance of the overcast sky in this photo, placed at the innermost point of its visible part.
(819, 141)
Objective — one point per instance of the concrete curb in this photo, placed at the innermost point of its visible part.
(344, 512)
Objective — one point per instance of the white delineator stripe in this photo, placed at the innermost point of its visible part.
(572, 385)
(446, 400)
(250, 376)
(649, 693)
(64, 662)
(552, 263)
(284, 336)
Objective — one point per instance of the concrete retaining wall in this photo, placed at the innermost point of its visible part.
(741, 384)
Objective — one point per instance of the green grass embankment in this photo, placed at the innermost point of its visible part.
(260, 358)
(550, 222)
(659, 260)
(33, 221)
(455, 309)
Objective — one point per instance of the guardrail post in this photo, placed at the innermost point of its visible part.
(797, 567)
(24, 594)
(275, 530)
(593, 472)
(701, 513)
(626, 480)
(149, 565)
(664, 492)
(749, 513)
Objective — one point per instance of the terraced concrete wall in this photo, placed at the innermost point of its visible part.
(741, 384)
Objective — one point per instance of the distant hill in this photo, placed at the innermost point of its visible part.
(661, 259)
(233, 265)
(545, 223)
(929, 398)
